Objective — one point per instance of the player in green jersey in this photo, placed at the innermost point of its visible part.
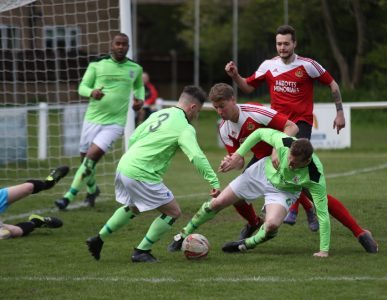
(139, 178)
(108, 82)
(298, 168)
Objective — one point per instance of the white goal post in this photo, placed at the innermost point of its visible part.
(45, 47)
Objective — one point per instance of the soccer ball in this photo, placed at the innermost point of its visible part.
(195, 246)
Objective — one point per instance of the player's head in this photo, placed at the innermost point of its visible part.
(300, 154)
(285, 41)
(120, 46)
(191, 100)
(223, 100)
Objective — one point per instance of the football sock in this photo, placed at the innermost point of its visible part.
(39, 185)
(121, 217)
(246, 210)
(27, 227)
(294, 206)
(260, 237)
(204, 214)
(340, 213)
(91, 184)
(81, 177)
(305, 202)
(157, 229)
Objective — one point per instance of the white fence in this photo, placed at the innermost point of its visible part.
(323, 135)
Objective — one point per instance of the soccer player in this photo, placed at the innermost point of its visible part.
(238, 122)
(14, 193)
(298, 168)
(139, 184)
(290, 79)
(108, 82)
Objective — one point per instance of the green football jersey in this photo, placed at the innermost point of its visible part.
(117, 80)
(293, 180)
(155, 142)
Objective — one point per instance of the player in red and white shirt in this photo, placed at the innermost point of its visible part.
(238, 122)
(290, 80)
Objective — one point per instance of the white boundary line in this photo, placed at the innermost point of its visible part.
(200, 280)
(81, 204)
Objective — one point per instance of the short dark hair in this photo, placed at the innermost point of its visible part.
(195, 92)
(121, 34)
(221, 91)
(287, 29)
(302, 148)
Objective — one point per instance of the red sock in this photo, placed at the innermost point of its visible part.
(305, 202)
(341, 213)
(247, 212)
(294, 207)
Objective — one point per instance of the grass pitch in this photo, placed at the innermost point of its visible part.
(55, 264)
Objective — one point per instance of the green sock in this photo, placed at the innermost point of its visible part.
(121, 217)
(204, 214)
(91, 184)
(81, 177)
(157, 229)
(260, 237)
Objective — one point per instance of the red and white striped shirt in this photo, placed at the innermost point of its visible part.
(251, 117)
(291, 85)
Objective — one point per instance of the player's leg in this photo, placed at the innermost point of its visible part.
(8, 231)
(247, 211)
(275, 214)
(207, 211)
(162, 224)
(34, 186)
(341, 213)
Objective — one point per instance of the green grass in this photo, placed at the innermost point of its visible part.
(52, 264)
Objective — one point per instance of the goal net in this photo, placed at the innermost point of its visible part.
(46, 46)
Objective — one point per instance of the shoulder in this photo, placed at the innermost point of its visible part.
(310, 63)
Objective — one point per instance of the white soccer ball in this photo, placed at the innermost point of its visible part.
(195, 246)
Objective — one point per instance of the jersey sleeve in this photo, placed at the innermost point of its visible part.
(271, 136)
(188, 143)
(87, 83)
(258, 77)
(278, 122)
(138, 86)
(325, 78)
(319, 195)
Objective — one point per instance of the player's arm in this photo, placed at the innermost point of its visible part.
(319, 195)
(232, 71)
(86, 87)
(188, 143)
(139, 92)
(273, 137)
(339, 122)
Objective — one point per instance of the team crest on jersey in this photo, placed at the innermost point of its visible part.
(296, 179)
(131, 74)
(299, 73)
(250, 127)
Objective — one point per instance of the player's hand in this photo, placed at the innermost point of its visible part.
(231, 162)
(137, 104)
(321, 254)
(215, 193)
(339, 122)
(97, 94)
(231, 69)
(274, 159)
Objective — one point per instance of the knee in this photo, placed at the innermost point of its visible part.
(271, 226)
(175, 213)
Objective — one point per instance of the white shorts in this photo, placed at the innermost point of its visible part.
(253, 183)
(101, 135)
(144, 196)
